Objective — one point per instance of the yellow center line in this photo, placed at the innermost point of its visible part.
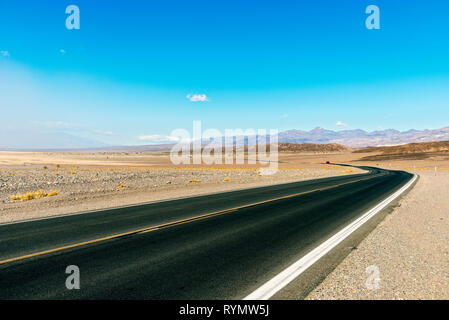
(174, 223)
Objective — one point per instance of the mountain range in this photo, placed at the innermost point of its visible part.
(351, 138)
(360, 138)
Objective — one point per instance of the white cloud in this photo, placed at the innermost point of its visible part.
(62, 52)
(341, 124)
(5, 53)
(158, 138)
(284, 116)
(197, 97)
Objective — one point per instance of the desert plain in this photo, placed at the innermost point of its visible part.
(85, 181)
(410, 248)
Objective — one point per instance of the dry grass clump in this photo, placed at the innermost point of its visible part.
(34, 195)
(120, 186)
(227, 179)
(53, 193)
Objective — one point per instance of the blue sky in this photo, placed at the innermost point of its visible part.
(261, 64)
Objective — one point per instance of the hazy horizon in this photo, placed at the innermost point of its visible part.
(347, 137)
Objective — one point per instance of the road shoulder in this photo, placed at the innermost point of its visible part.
(405, 257)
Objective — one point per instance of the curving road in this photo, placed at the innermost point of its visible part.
(218, 246)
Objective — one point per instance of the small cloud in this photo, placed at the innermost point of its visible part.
(341, 124)
(284, 116)
(158, 138)
(62, 52)
(5, 53)
(197, 97)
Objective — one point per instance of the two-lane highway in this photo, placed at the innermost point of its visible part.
(219, 246)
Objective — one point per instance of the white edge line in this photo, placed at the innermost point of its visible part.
(272, 286)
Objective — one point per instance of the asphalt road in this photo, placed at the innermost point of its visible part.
(245, 239)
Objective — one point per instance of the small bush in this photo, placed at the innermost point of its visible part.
(29, 196)
(34, 195)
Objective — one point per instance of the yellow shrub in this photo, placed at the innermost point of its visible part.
(29, 195)
(227, 179)
(194, 180)
(53, 193)
(34, 195)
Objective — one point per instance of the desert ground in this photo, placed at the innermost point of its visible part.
(84, 181)
(410, 247)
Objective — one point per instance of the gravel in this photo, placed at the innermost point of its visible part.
(410, 249)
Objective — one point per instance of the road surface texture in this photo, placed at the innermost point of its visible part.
(219, 246)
